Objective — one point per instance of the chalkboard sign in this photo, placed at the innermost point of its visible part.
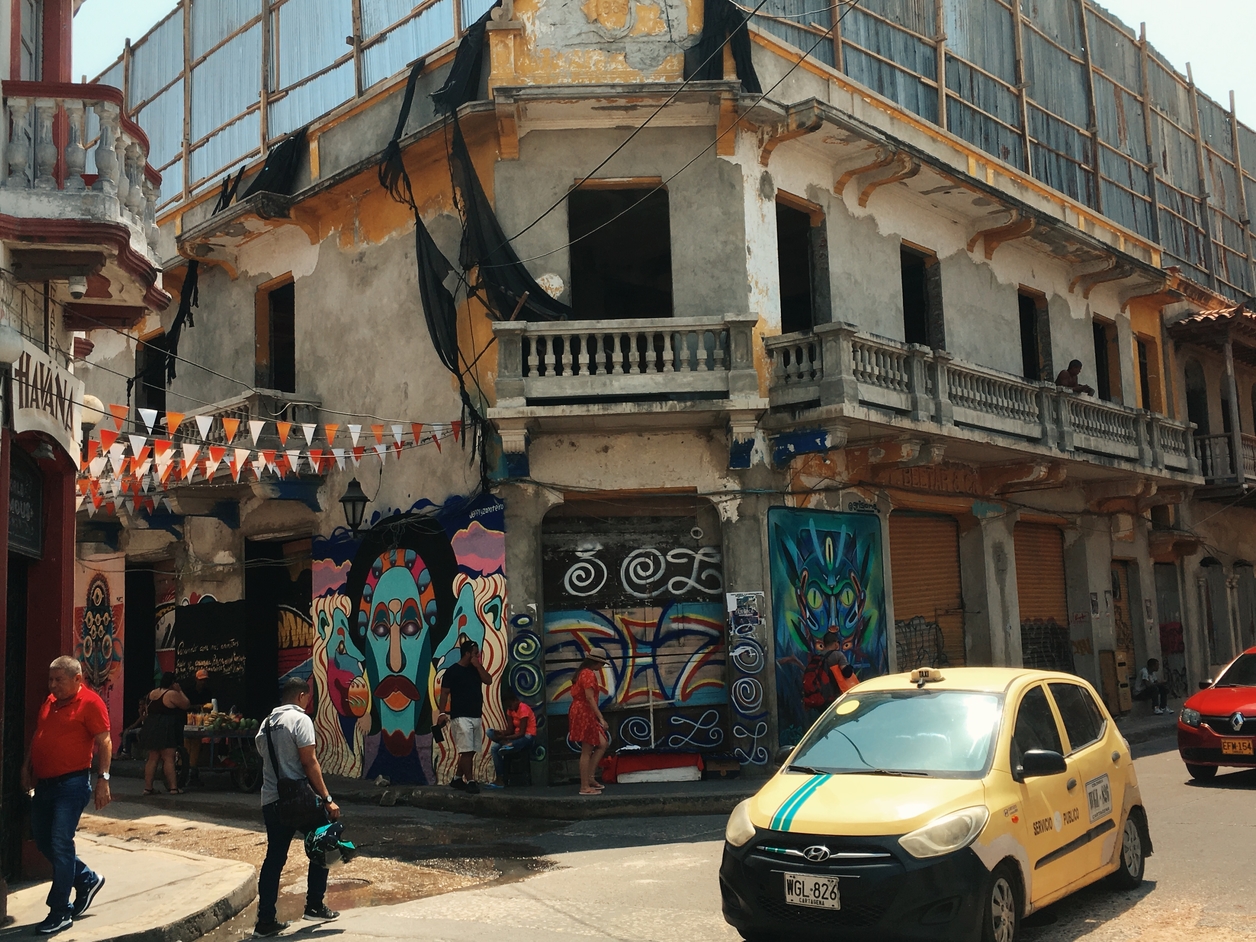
(210, 636)
(26, 506)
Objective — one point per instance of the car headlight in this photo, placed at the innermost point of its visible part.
(1190, 717)
(947, 833)
(739, 829)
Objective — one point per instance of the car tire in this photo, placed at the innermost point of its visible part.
(1202, 773)
(754, 936)
(1132, 852)
(1001, 905)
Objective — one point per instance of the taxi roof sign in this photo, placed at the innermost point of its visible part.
(925, 675)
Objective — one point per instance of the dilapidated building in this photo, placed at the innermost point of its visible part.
(641, 327)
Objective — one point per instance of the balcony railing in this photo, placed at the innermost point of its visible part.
(1215, 462)
(49, 127)
(268, 405)
(837, 365)
(621, 360)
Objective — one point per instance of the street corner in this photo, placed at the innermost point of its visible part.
(150, 895)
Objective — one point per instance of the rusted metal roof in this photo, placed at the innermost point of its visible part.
(1211, 329)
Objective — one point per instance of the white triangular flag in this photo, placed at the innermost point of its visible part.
(211, 467)
(398, 431)
(382, 451)
(294, 460)
(142, 470)
(354, 432)
(97, 465)
(203, 423)
(339, 454)
(258, 465)
(137, 442)
(308, 429)
(115, 456)
(255, 429)
(190, 452)
(149, 416)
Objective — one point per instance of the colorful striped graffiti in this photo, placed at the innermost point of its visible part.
(526, 674)
(747, 639)
(826, 575)
(390, 610)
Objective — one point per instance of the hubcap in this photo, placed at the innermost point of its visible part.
(1002, 910)
(1132, 851)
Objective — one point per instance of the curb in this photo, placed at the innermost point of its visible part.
(198, 923)
(566, 808)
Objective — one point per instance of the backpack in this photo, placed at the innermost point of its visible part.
(818, 687)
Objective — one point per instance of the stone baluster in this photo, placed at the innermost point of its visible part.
(152, 193)
(1142, 432)
(123, 178)
(943, 409)
(75, 152)
(743, 379)
(838, 385)
(1155, 439)
(510, 382)
(917, 397)
(19, 152)
(45, 146)
(1192, 459)
(106, 156)
(135, 179)
(1046, 413)
(1063, 401)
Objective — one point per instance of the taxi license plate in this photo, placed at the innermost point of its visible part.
(1236, 747)
(815, 892)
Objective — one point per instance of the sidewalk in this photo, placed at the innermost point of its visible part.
(150, 895)
(1139, 727)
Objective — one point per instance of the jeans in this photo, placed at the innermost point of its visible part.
(1157, 693)
(278, 839)
(55, 812)
(500, 750)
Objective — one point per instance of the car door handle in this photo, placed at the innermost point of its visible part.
(1072, 783)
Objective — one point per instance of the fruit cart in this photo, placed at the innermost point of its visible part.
(228, 747)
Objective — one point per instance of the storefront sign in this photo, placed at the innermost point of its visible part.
(47, 398)
(948, 480)
(26, 506)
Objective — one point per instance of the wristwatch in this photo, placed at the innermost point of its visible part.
(327, 800)
(102, 776)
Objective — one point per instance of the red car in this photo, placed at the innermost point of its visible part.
(1217, 726)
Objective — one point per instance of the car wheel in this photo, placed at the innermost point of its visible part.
(1133, 852)
(1202, 773)
(1001, 905)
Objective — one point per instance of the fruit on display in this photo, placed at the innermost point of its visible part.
(221, 722)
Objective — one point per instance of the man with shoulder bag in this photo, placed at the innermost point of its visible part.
(294, 798)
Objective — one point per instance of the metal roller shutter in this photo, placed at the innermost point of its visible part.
(1040, 573)
(928, 602)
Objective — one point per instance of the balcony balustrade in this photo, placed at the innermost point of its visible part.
(837, 365)
(1215, 462)
(268, 405)
(48, 130)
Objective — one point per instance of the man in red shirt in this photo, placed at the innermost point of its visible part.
(518, 738)
(73, 724)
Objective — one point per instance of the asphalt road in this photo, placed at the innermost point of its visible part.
(655, 879)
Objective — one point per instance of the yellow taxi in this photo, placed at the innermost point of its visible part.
(940, 804)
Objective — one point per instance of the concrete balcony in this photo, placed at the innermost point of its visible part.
(264, 405)
(839, 373)
(1216, 464)
(59, 219)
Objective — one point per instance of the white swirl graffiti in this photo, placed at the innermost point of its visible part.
(707, 726)
(756, 754)
(635, 729)
(642, 568)
(585, 577)
(747, 695)
(748, 656)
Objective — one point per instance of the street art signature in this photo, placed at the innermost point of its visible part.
(826, 575)
(390, 611)
(98, 631)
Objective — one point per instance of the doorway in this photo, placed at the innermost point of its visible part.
(12, 822)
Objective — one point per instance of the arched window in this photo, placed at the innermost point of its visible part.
(1196, 397)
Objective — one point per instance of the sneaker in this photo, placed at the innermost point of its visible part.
(55, 922)
(457, 783)
(1159, 711)
(264, 930)
(494, 785)
(320, 913)
(83, 898)
(471, 788)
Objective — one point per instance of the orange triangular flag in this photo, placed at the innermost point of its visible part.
(378, 432)
(358, 452)
(119, 415)
(457, 429)
(230, 426)
(173, 421)
(268, 459)
(93, 446)
(107, 437)
(161, 447)
(416, 429)
(331, 428)
(283, 428)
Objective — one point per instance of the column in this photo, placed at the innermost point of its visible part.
(1236, 427)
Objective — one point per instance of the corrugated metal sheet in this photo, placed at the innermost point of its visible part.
(981, 31)
(390, 55)
(1040, 587)
(1057, 81)
(378, 15)
(310, 35)
(157, 60)
(227, 83)
(924, 563)
(1062, 156)
(162, 121)
(472, 10)
(895, 84)
(226, 147)
(889, 42)
(919, 16)
(215, 20)
(1179, 164)
(1114, 50)
(1058, 19)
(303, 104)
(1120, 119)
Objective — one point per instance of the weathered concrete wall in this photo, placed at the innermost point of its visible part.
(987, 557)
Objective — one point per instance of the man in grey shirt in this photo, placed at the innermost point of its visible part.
(291, 732)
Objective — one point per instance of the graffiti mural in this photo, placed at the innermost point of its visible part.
(526, 674)
(390, 609)
(747, 640)
(98, 630)
(648, 591)
(826, 575)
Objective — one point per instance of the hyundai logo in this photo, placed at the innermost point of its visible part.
(816, 853)
(1236, 722)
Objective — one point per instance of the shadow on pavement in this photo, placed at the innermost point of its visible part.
(1074, 917)
(1239, 778)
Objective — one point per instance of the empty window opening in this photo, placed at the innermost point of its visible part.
(621, 265)
(922, 298)
(1144, 373)
(150, 374)
(1196, 397)
(30, 63)
(1227, 425)
(802, 264)
(1035, 337)
(276, 343)
(1107, 362)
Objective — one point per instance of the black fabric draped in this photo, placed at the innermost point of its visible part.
(721, 19)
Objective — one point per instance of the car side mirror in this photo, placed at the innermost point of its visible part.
(1205, 684)
(783, 754)
(1040, 762)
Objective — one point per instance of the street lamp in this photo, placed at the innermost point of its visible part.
(354, 502)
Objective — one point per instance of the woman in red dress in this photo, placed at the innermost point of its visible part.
(585, 722)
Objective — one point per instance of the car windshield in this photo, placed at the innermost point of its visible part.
(1242, 673)
(944, 733)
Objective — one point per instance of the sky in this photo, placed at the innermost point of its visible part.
(1215, 36)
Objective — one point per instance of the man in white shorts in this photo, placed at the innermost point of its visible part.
(461, 706)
